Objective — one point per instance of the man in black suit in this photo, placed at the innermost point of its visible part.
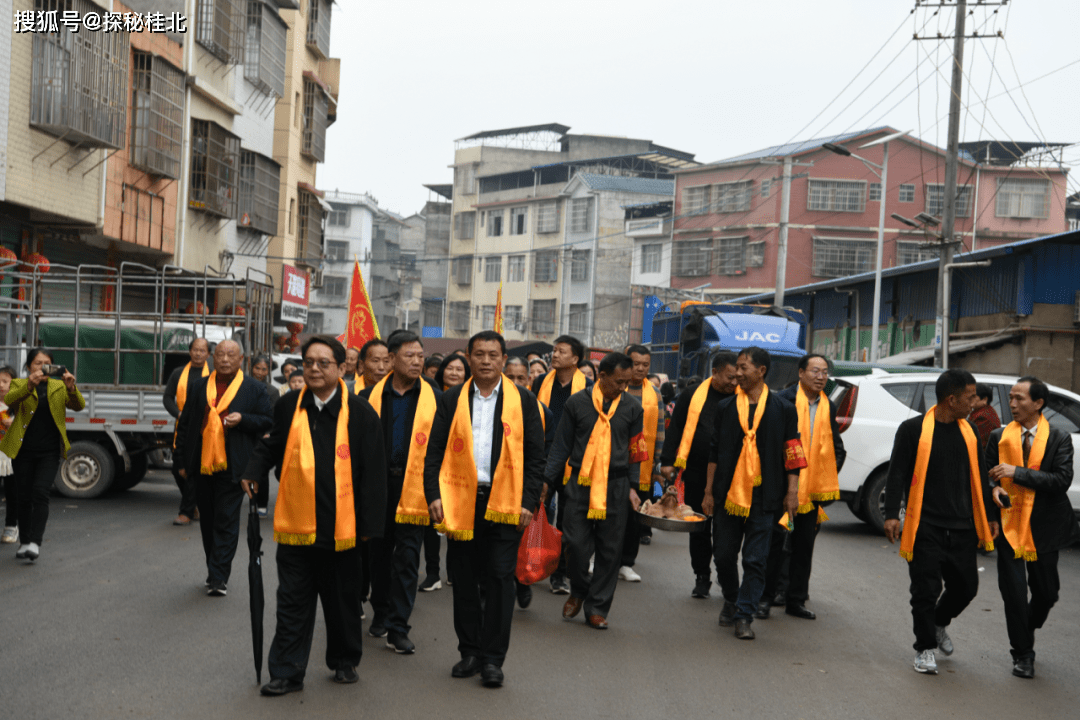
(224, 417)
(173, 399)
(325, 563)
(484, 564)
(1031, 468)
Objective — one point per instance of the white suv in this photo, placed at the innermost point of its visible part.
(871, 407)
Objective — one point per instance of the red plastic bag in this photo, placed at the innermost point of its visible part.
(538, 554)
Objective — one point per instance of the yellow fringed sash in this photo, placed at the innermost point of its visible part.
(748, 468)
(412, 509)
(359, 384)
(693, 415)
(213, 457)
(181, 392)
(1016, 521)
(818, 481)
(650, 403)
(596, 461)
(577, 384)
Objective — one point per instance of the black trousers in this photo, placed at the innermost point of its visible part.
(219, 499)
(484, 588)
(365, 568)
(11, 500)
(798, 562)
(186, 486)
(262, 495)
(432, 546)
(940, 558)
(1015, 576)
(583, 537)
(633, 533)
(559, 491)
(35, 476)
(395, 565)
(307, 574)
(752, 535)
(701, 542)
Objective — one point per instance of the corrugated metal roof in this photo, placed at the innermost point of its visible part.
(798, 147)
(617, 183)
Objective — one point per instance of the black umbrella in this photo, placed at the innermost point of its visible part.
(255, 587)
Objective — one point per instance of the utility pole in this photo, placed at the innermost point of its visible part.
(781, 247)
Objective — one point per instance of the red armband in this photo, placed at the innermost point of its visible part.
(794, 457)
(639, 449)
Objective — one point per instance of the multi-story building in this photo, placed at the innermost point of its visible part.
(434, 266)
(348, 239)
(548, 205)
(727, 213)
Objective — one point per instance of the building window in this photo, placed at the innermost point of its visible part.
(543, 317)
(465, 225)
(1022, 198)
(339, 216)
(935, 200)
(219, 27)
(309, 230)
(875, 192)
(336, 250)
(730, 256)
(579, 265)
(913, 252)
(318, 27)
(579, 318)
(79, 80)
(335, 287)
(487, 321)
(840, 257)
(315, 323)
(650, 257)
(766, 187)
(260, 189)
(512, 318)
(837, 195)
(581, 214)
(547, 218)
(433, 313)
(264, 53)
(459, 316)
(692, 258)
(157, 115)
(732, 197)
(755, 254)
(493, 269)
(696, 200)
(463, 270)
(215, 156)
(316, 108)
(495, 223)
(907, 193)
(546, 268)
(515, 271)
(519, 220)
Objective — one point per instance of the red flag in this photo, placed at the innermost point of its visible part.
(498, 311)
(362, 325)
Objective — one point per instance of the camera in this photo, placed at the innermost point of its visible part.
(54, 371)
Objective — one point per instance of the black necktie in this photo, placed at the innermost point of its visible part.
(1027, 446)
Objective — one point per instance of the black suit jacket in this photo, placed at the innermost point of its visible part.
(791, 393)
(533, 431)
(366, 450)
(256, 411)
(1053, 523)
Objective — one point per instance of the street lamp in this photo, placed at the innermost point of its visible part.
(883, 176)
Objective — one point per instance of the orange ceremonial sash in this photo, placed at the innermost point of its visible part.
(748, 468)
(577, 384)
(1016, 521)
(213, 435)
(412, 508)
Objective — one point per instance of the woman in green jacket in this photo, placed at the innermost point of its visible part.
(37, 442)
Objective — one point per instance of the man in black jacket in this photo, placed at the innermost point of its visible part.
(1039, 520)
(327, 564)
(244, 419)
(484, 565)
(173, 399)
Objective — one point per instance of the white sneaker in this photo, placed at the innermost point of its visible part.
(926, 663)
(10, 536)
(20, 554)
(944, 642)
(628, 574)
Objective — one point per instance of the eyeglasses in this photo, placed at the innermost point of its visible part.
(323, 364)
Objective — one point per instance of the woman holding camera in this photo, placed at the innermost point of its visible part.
(37, 441)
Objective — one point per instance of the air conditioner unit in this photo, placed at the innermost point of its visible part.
(316, 280)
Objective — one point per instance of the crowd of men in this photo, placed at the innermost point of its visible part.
(376, 459)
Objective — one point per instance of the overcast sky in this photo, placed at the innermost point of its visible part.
(711, 77)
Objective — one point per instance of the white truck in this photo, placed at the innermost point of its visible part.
(121, 331)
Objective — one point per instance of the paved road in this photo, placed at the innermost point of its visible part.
(113, 622)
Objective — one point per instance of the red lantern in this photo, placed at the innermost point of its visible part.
(239, 310)
(295, 328)
(7, 256)
(37, 260)
(195, 308)
(294, 342)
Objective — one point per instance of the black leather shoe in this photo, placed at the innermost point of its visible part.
(727, 615)
(646, 539)
(763, 609)
(346, 676)
(799, 610)
(701, 587)
(468, 667)
(491, 676)
(281, 686)
(1024, 668)
(780, 600)
(743, 631)
(524, 596)
(400, 643)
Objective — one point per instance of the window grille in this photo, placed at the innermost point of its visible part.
(732, 197)
(465, 225)
(579, 265)
(337, 251)
(512, 317)
(316, 107)
(935, 200)
(79, 81)
(581, 214)
(495, 223)
(515, 271)
(488, 319)
(339, 216)
(260, 179)
(157, 115)
(215, 160)
(519, 220)
(755, 254)
(309, 231)
(579, 318)
(650, 257)
(913, 252)
(264, 54)
(730, 256)
(315, 322)
(837, 195)
(696, 200)
(547, 218)
(1023, 198)
(318, 27)
(692, 258)
(906, 193)
(335, 287)
(463, 270)
(433, 313)
(840, 257)
(543, 316)
(766, 187)
(875, 192)
(546, 268)
(493, 269)
(459, 315)
(220, 28)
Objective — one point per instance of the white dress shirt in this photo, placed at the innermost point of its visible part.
(320, 404)
(483, 427)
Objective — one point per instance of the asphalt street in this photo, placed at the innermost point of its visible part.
(113, 622)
